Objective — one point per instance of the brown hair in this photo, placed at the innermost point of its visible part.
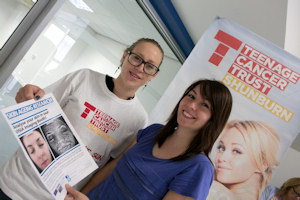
(220, 99)
(287, 185)
(141, 40)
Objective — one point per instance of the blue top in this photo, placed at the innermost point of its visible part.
(140, 175)
(269, 192)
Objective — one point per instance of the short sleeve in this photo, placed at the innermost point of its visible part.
(149, 132)
(140, 135)
(269, 192)
(194, 181)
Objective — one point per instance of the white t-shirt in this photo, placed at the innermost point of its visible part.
(105, 123)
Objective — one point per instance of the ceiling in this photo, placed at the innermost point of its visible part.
(266, 18)
(120, 20)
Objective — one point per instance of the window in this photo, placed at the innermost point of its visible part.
(16, 16)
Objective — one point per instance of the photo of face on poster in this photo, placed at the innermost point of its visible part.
(37, 149)
(59, 136)
(246, 154)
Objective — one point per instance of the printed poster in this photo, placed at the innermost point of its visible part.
(50, 143)
(264, 82)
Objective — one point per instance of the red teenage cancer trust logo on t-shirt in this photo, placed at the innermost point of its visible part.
(101, 123)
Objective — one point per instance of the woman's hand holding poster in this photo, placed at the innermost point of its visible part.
(50, 143)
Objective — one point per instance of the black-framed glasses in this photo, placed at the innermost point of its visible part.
(136, 61)
(297, 194)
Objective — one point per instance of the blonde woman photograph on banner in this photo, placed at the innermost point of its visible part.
(247, 153)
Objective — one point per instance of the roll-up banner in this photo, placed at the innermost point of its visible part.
(264, 82)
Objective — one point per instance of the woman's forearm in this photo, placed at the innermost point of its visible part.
(104, 172)
(99, 176)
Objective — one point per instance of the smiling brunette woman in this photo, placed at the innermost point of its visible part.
(168, 162)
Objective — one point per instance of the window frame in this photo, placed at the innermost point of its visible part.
(25, 34)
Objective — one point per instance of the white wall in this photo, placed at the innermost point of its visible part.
(289, 167)
(292, 39)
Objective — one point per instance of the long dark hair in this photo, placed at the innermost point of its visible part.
(220, 99)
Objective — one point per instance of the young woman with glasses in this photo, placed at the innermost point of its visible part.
(87, 96)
